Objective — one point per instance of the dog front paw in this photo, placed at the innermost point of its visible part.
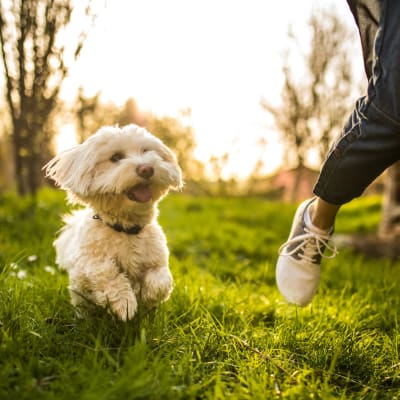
(124, 307)
(157, 287)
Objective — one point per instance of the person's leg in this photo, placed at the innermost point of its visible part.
(323, 214)
(298, 265)
(370, 141)
(368, 145)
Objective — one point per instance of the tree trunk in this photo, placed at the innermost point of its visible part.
(18, 161)
(298, 176)
(26, 159)
(390, 223)
(386, 243)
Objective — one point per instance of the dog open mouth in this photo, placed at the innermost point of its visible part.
(140, 193)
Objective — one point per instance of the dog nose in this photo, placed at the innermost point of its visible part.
(145, 171)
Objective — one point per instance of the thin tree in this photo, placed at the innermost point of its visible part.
(390, 222)
(35, 65)
(89, 114)
(313, 105)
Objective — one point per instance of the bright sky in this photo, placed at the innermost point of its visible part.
(218, 57)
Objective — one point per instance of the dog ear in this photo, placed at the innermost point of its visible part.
(177, 181)
(175, 172)
(71, 170)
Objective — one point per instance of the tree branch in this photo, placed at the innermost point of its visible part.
(9, 80)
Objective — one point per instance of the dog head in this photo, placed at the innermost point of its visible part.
(127, 164)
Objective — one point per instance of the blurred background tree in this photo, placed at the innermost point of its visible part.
(390, 223)
(6, 159)
(315, 103)
(131, 114)
(35, 62)
(180, 138)
(91, 113)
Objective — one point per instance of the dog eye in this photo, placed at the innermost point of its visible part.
(145, 150)
(116, 157)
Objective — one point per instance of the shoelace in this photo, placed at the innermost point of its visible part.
(310, 243)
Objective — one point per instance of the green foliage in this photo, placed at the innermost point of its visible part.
(180, 138)
(225, 332)
(91, 114)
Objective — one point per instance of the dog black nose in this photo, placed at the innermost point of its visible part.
(145, 171)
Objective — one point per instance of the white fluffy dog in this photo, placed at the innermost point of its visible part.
(114, 250)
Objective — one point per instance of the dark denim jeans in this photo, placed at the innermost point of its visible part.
(370, 141)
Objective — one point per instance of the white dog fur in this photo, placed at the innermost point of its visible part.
(119, 174)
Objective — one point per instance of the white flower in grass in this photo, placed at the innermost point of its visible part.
(51, 270)
(13, 265)
(21, 274)
(32, 258)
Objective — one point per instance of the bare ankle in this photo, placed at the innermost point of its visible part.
(323, 214)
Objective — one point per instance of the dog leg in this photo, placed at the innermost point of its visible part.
(118, 294)
(157, 286)
(114, 292)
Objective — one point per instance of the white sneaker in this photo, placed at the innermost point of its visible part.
(299, 263)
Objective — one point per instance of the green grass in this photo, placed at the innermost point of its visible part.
(225, 333)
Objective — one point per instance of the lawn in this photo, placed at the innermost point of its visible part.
(225, 333)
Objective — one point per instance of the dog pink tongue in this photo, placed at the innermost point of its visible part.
(140, 193)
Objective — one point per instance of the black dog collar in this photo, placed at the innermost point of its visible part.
(133, 230)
